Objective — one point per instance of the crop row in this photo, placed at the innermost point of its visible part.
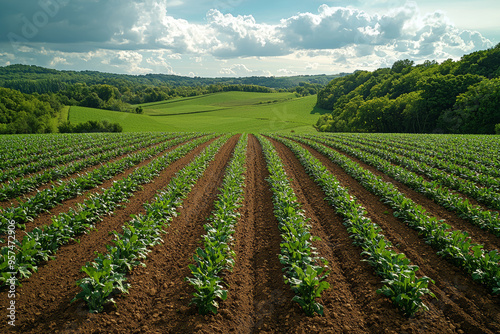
(22, 149)
(486, 196)
(454, 245)
(51, 197)
(18, 187)
(401, 283)
(20, 258)
(305, 270)
(55, 160)
(106, 276)
(216, 254)
(457, 147)
(488, 220)
(430, 165)
(453, 157)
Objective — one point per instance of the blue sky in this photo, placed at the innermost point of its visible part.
(241, 37)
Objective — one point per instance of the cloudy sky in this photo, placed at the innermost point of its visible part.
(241, 37)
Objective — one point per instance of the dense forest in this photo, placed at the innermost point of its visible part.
(23, 113)
(452, 97)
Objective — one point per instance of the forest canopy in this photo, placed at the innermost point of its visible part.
(452, 97)
(24, 113)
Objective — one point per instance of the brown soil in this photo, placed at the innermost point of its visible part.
(258, 299)
(471, 199)
(44, 298)
(14, 201)
(489, 240)
(461, 302)
(45, 218)
(64, 164)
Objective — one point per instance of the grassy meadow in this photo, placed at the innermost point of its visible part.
(219, 112)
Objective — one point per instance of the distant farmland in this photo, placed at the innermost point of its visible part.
(220, 112)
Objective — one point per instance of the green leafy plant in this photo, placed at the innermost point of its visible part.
(387, 263)
(107, 273)
(405, 290)
(304, 269)
(216, 254)
(309, 284)
(102, 281)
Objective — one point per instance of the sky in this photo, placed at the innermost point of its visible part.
(220, 38)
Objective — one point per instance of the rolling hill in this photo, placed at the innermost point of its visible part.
(219, 112)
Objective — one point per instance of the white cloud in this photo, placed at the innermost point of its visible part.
(242, 36)
(312, 66)
(58, 60)
(140, 36)
(236, 70)
(174, 56)
(285, 72)
(131, 60)
(159, 61)
(242, 70)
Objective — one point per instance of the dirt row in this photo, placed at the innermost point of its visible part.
(60, 165)
(489, 240)
(44, 299)
(15, 201)
(258, 299)
(461, 303)
(471, 199)
(45, 218)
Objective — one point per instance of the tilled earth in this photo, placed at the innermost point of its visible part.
(258, 299)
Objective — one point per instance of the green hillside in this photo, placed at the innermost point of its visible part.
(452, 97)
(219, 112)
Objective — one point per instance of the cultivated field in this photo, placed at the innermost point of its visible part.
(221, 112)
(379, 233)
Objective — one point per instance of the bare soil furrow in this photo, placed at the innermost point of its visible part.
(258, 300)
(44, 300)
(45, 218)
(466, 303)
(478, 235)
(44, 186)
(354, 279)
(15, 201)
(159, 296)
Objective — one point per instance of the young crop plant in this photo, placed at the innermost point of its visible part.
(454, 245)
(216, 254)
(107, 274)
(475, 161)
(99, 155)
(45, 241)
(485, 219)
(441, 178)
(401, 284)
(51, 197)
(305, 271)
(73, 151)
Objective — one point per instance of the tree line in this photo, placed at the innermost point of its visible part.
(452, 97)
(34, 79)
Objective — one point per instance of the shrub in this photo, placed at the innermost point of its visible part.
(90, 126)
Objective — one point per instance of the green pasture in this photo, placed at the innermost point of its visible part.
(219, 112)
